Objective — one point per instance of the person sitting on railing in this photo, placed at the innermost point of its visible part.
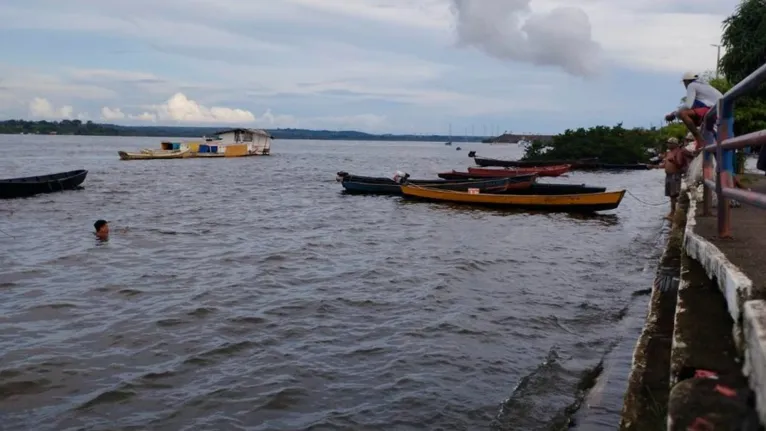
(700, 98)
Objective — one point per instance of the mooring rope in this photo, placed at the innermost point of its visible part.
(644, 202)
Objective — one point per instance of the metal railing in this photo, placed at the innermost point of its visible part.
(723, 148)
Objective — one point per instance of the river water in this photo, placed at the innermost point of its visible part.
(250, 293)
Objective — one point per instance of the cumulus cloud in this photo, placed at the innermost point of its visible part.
(507, 30)
(146, 116)
(43, 108)
(109, 114)
(181, 109)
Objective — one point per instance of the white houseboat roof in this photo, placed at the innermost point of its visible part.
(260, 132)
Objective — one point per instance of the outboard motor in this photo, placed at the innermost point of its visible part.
(400, 177)
(340, 176)
(472, 153)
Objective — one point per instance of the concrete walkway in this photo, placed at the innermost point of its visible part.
(746, 249)
(721, 321)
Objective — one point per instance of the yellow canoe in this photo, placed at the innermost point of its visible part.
(586, 202)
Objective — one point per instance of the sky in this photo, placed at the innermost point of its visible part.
(380, 66)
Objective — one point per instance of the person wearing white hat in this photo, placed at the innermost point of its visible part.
(700, 97)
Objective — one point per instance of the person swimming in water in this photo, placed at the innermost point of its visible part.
(102, 230)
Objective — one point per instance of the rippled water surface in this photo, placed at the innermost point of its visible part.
(251, 293)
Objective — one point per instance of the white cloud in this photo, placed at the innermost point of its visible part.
(109, 114)
(145, 116)
(502, 29)
(181, 109)
(44, 109)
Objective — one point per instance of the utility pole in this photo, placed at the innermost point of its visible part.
(718, 59)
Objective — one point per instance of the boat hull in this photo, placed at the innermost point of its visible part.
(30, 186)
(541, 171)
(591, 164)
(556, 189)
(477, 173)
(152, 155)
(487, 162)
(583, 203)
(393, 188)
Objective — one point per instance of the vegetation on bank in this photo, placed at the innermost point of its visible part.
(77, 127)
(744, 42)
(609, 144)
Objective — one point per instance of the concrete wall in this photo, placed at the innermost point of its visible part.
(704, 342)
(749, 316)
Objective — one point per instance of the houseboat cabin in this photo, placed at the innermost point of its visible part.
(228, 143)
(254, 142)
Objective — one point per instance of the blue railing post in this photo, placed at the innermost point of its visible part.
(707, 171)
(725, 166)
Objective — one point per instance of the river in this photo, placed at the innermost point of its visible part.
(250, 293)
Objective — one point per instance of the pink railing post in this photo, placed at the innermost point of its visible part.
(707, 173)
(725, 163)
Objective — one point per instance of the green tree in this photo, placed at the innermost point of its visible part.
(609, 144)
(744, 40)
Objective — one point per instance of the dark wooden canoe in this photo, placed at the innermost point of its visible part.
(615, 167)
(549, 189)
(540, 171)
(345, 176)
(488, 185)
(591, 164)
(475, 173)
(29, 186)
(487, 162)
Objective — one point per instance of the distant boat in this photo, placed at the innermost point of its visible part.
(450, 135)
(29, 186)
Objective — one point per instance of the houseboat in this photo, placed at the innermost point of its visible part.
(227, 143)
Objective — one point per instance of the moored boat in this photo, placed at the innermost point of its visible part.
(488, 162)
(541, 171)
(359, 185)
(555, 189)
(29, 186)
(474, 173)
(227, 143)
(583, 202)
(155, 155)
(589, 164)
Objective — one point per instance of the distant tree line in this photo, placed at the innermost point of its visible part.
(77, 127)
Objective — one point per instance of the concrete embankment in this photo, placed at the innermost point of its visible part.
(700, 362)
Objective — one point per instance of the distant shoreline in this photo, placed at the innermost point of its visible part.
(89, 128)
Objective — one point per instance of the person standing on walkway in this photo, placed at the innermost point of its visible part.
(700, 98)
(675, 161)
